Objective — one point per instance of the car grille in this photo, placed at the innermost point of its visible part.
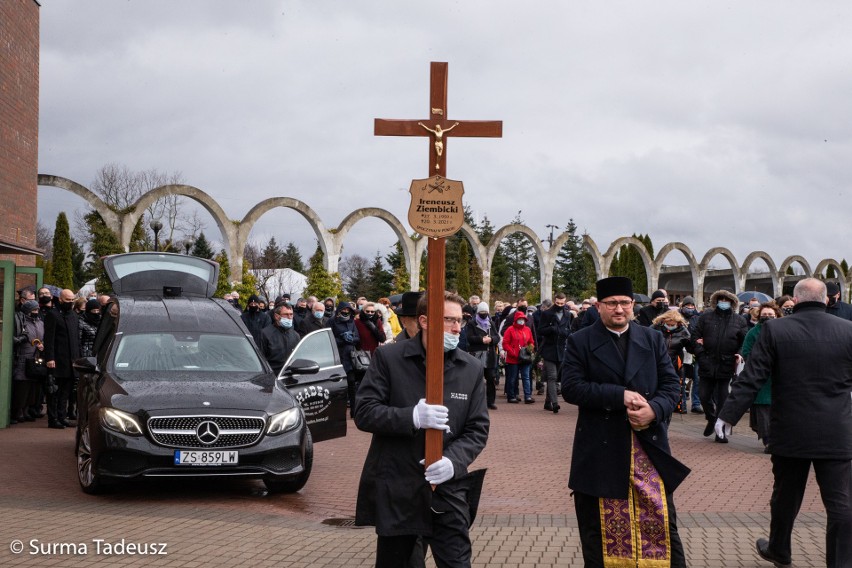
(183, 431)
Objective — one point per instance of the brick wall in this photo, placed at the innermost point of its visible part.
(19, 67)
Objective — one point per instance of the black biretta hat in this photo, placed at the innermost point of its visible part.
(614, 286)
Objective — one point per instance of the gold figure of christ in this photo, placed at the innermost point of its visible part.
(439, 140)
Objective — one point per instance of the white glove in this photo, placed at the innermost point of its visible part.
(440, 471)
(431, 416)
(723, 429)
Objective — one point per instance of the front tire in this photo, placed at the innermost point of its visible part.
(297, 483)
(90, 481)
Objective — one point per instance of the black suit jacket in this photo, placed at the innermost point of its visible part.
(553, 333)
(62, 341)
(809, 357)
(594, 377)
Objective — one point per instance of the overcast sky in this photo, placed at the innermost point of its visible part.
(711, 123)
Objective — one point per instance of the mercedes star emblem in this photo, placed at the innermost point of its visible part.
(207, 432)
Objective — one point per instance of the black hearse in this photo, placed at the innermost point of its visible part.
(177, 386)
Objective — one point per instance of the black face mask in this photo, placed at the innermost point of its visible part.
(832, 300)
(787, 311)
(252, 309)
(301, 311)
(92, 318)
(65, 306)
(44, 300)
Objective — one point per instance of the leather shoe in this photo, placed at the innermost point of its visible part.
(555, 409)
(529, 401)
(513, 401)
(66, 423)
(697, 410)
(56, 426)
(492, 407)
(763, 551)
(548, 406)
(710, 428)
(721, 439)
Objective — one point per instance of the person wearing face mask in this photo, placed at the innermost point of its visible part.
(61, 348)
(278, 339)
(553, 331)
(835, 306)
(314, 320)
(716, 342)
(370, 327)
(346, 336)
(517, 337)
(659, 304)
(89, 321)
(758, 418)
(482, 343)
(785, 304)
(329, 307)
(46, 301)
(674, 329)
(690, 365)
(28, 343)
(300, 311)
(254, 319)
(403, 500)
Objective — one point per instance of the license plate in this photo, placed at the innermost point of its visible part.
(206, 457)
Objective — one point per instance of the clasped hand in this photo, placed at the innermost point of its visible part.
(639, 412)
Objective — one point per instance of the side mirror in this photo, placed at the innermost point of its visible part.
(301, 367)
(86, 365)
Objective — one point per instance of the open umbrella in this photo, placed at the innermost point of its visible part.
(747, 296)
(641, 298)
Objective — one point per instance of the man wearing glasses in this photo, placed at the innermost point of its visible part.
(620, 376)
(395, 494)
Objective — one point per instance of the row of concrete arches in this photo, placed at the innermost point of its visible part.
(235, 234)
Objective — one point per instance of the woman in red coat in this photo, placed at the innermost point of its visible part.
(517, 337)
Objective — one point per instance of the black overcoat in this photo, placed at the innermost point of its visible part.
(809, 357)
(553, 333)
(393, 493)
(594, 377)
(62, 340)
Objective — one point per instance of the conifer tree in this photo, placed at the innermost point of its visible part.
(62, 272)
(223, 284)
(292, 258)
(463, 271)
(201, 248)
(320, 283)
(499, 269)
(248, 286)
(380, 280)
(272, 256)
(396, 262)
(103, 243)
(573, 273)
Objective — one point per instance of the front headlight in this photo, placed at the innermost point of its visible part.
(120, 421)
(284, 421)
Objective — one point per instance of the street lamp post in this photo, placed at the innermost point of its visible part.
(550, 239)
(156, 226)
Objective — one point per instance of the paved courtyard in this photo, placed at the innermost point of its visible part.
(525, 517)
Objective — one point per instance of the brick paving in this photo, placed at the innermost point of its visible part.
(526, 516)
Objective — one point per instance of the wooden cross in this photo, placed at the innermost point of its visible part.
(438, 128)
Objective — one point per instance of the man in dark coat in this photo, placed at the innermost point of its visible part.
(620, 376)
(314, 320)
(61, 348)
(394, 494)
(255, 319)
(278, 339)
(835, 306)
(407, 314)
(659, 304)
(809, 357)
(553, 331)
(716, 340)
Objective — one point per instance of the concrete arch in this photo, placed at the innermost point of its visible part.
(795, 258)
(597, 258)
(267, 205)
(226, 227)
(825, 263)
(408, 247)
(773, 270)
(110, 217)
(545, 270)
(735, 267)
(650, 267)
(690, 260)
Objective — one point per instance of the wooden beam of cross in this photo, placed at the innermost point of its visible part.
(438, 128)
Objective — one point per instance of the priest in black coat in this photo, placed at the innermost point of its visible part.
(809, 357)
(620, 376)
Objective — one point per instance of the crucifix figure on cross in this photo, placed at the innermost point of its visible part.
(439, 139)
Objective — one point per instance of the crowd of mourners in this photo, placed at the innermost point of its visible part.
(521, 344)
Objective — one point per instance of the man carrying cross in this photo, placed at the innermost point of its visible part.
(394, 494)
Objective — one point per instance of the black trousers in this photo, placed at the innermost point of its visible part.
(713, 392)
(834, 478)
(450, 540)
(588, 512)
(57, 403)
(491, 386)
